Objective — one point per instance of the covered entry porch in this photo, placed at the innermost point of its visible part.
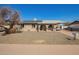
(43, 27)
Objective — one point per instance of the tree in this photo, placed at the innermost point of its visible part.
(10, 15)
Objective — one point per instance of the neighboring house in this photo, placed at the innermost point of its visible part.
(74, 26)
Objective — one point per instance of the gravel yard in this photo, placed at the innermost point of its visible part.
(37, 38)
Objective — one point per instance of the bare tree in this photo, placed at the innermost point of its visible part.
(12, 16)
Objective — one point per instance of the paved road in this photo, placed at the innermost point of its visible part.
(40, 49)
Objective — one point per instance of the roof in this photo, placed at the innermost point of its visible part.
(43, 22)
(52, 21)
(31, 21)
(75, 22)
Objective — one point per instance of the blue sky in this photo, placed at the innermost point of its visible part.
(63, 12)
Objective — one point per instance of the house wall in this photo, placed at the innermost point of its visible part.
(74, 27)
(28, 27)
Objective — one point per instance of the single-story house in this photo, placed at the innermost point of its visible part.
(46, 24)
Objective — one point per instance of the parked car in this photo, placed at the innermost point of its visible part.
(74, 28)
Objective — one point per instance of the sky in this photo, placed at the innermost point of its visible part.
(63, 12)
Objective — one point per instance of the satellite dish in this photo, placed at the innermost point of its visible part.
(35, 19)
